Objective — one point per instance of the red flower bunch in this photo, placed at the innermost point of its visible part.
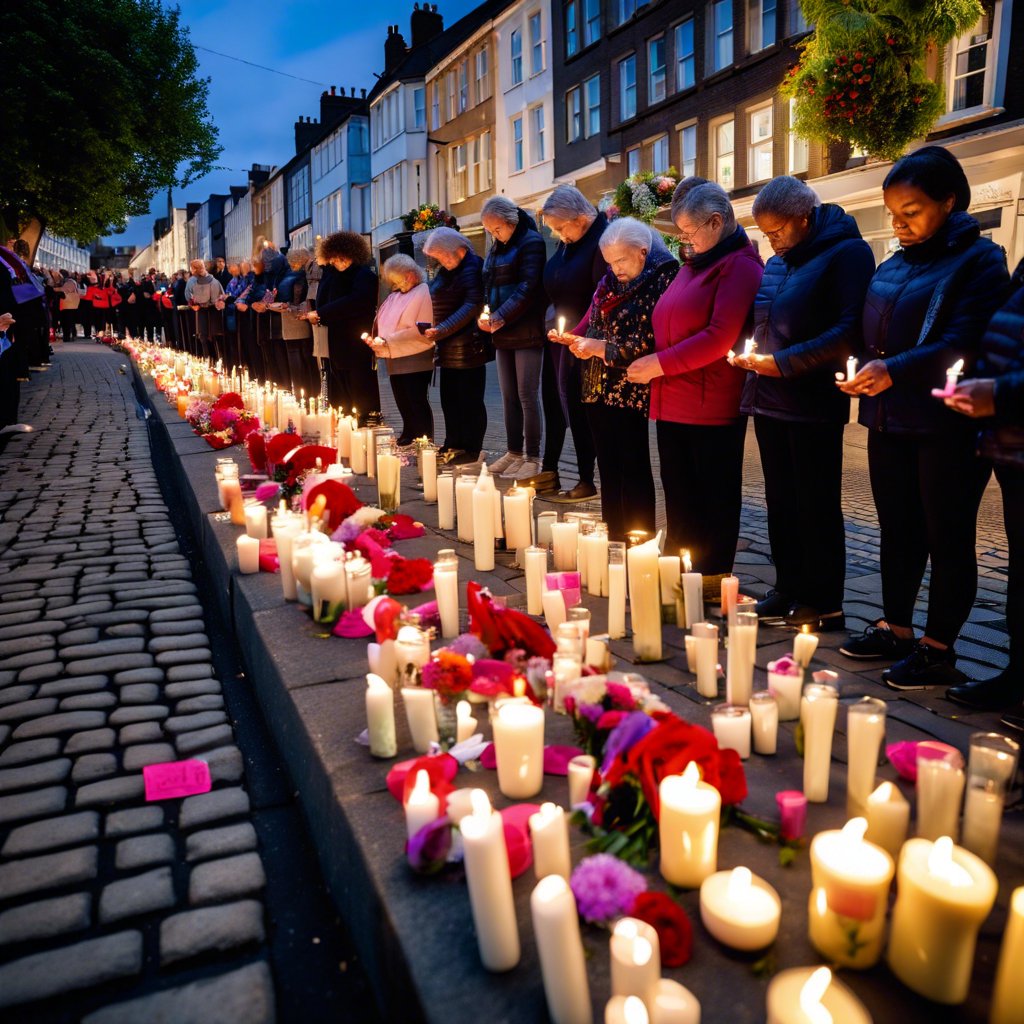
(279, 449)
(449, 674)
(502, 629)
(669, 920)
(229, 400)
(223, 418)
(256, 445)
(409, 575)
(341, 501)
(401, 527)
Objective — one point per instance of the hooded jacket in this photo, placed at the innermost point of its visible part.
(457, 297)
(514, 288)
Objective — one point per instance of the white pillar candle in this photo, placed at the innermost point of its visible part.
(517, 519)
(786, 688)
(672, 1003)
(465, 722)
(616, 590)
(536, 569)
(635, 958)
(371, 451)
(464, 487)
(940, 791)
(382, 660)
(626, 1010)
(256, 520)
(430, 475)
(446, 502)
(358, 448)
(422, 807)
(285, 528)
(740, 909)
(446, 591)
(563, 966)
(668, 572)
(731, 726)
(380, 716)
(549, 832)
(943, 893)
(693, 592)
(888, 814)
(412, 652)
(818, 708)
(808, 995)
(597, 563)
(358, 582)
(580, 775)
(544, 521)
(739, 672)
(519, 750)
(991, 767)
(248, 554)
(490, 885)
(805, 643)
(850, 880)
(389, 481)
(1008, 993)
(422, 719)
(865, 731)
(344, 435)
(564, 543)
(496, 523)
(554, 608)
(690, 647)
(688, 829)
(730, 591)
(764, 722)
(327, 586)
(705, 639)
(645, 599)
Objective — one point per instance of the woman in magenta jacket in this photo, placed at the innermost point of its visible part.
(695, 392)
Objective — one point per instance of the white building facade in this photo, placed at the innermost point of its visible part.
(340, 166)
(238, 227)
(62, 254)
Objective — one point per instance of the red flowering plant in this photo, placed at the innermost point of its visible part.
(448, 674)
(408, 575)
(669, 920)
(503, 629)
(596, 704)
(223, 423)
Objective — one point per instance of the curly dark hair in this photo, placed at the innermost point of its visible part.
(345, 245)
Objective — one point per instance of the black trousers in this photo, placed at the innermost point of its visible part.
(561, 387)
(465, 413)
(803, 487)
(1011, 482)
(302, 367)
(624, 460)
(555, 423)
(10, 388)
(412, 395)
(353, 382)
(69, 324)
(702, 476)
(927, 491)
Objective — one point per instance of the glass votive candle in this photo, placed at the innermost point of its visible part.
(865, 731)
(580, 775)
(764, 721)
(940, 790)
(731, 726)
(579, 616)
(744, 604)
(991, 766)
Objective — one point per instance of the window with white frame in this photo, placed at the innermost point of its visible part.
(633, 162)
(799, 150)
(572, 28)
(453, 95)
(463, 86)
(419, 108)
(518, 162)
(719, 34)
(327, 217)
(656, 155)
(592, 102)
(574, 114)
(656, 72)
(797, 22)
(686, 69)
(627, 87)
(624, 10)
(591, 21)
(326, 155)
(359, 208)
(723, 164)
(483, 81)
(971, 67)
(515, 44)
(759, 144)
(538, 149)
(298, 196)
(688, 150)
(387, 195)
(480, 163)
(435, 104)
(536, 44)
(458, 173)
(760, 24)
(358, 137)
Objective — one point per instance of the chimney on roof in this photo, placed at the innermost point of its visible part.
(425, 24)
(394, 49)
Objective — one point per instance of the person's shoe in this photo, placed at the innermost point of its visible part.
(467, 458)
(1014, 718)
(526, 470)
(877, 643)
(16, 428)
(773, 607)
(924, 667)
(996, 694)
(505, 462)
(820, 622)
(545, 482)
(581, 492)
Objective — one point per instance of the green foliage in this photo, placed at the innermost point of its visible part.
(643, 194)
(861, 77)
(102, 110)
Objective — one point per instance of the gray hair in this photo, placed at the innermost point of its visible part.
(502, 209)
(400, 264)
(298, 257)
(627, 231)
(682, 190)
(446, 240)
(703, 201)
(567, 203)
(786, 197)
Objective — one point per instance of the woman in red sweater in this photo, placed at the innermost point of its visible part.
(695, 393)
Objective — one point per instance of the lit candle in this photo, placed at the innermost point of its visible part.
(616, 590)
(382, 660)
(705, 642)
(256, 520)
(785, 684)
(380, 716)
(563, 967)
(805, 643)
(429, 457)
(345, 427)
(358, 450)
(553, 605)
(564, 538)
(561, 325)
(358, 582)
(739, 669)
(625, 1010)
(818, 708)
(232, 493)
(764, 722)
(422, 719)
(749, 347)
(536, 569)
(580, 775)
(888, 814)
(730, 591)
(688, 828)
(690, 646)
(464, 487)
(519, 750)
(805, 995)
(865, 731)
(1008, 994)
(851, 367)
(953, 374)
(940, 792)
(485, 316)
(850, 880)
(517, 519)
(412, 651)
(741, 910)
(466, 723)
(635, 958)
(731, 726)
(645, 599)
(446, 591)
(389, 480)
(490, 885)
(693, 592)
(549, 831)
(991, 768)
(286, 527)
(328, 590)
(943, 893)
(544, 523)
(446, 502)
(671, 1003)
(422, 807)
(248, 554)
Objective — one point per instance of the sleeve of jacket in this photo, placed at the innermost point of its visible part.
(471, 283)
(531, 280)
(979, 294)
(847, 279)
(407, 341)
(734, 297)
(359, 302)
(189, 287)
(1010, 397)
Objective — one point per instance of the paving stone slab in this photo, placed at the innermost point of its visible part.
(111, 791)
(140, 894)
(191, 688)
(45, 919)
(189, 723)
(137, 757)
(28, 709)
(220, 842)
(53, 725)
(177, 628)
(109, 663)
(133, 821)
(43, 657)
(139, 675)
(212, 807)
(211, 929)
(30, 750)
(141, 732)
(34, 804)
(124, 645)
(226, 879)
(193, 656)
(144, 851)
(16, 694)
(52, 833)
(90, 767)
(47, 871)
(139, 693)
(187, 673)
(74, 684)
(97, 701)
(189, 744)
(91, 739)
(26, 776)
(226, 764)
(203, 702)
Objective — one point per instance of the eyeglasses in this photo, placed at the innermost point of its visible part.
(688, 236)
(778, 232)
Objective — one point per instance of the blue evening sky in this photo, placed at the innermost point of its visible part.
(337, 42)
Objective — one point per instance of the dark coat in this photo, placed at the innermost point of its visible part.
(513, 287)
(807, 314)
(926, 307)
(573, 273)
(347, 303)
(457, 297)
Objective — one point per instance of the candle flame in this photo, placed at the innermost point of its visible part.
(634, 1011)
(480, 803)
(691, 776)
(883, 794)
(956, 369)
(812, 993)
(941, 864)
(740, 883)
(687, 563)
(749, 347)
(420, 788)
(519, 687)
(805, 628)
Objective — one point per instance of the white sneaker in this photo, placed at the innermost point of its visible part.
(526, 469)
(507, 460)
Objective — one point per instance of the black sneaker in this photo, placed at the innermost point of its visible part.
(996, 694)
(923, 668)
(820, 622)
(773, 607)
(876, 643)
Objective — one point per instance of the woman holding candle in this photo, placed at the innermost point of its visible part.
(615, 332)
(926, 307)
(296, 333)
(806, 323)
(457, 297)
(695, 393)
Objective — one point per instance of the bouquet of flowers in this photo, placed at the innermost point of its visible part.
(643, 194)
(598, 703)
(425, 217)
(224, 422)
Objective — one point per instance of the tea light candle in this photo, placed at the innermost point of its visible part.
(865, 731)
(446, 591)
(635, 958)
(536, 559)
(645, 599)
(563, 967)
(465, 722)
(519, 750)
(849, 896)
(1007, 994)
(818, 708)
(256, 520)
(490, 885)
(549, 831)
(564, 541)
(248, 554)
(705, 641)
(807, 995)
(688, 828)
(670, 1003)
(943, 893)
(380, 716)
(544, 524)
(888, 815)
(668, 572)
(580, 775)
(739, 677)
(422, 719)
(517, 519)
(446, 502)
(616, 590)
(785, 684)
(764, 722)
(429, 457)
(625, 1010)
(741, 910)
(422, 807)
(805, 643)
(940, 791)
(693, 592)
(464, 488)
(731, 726)
(730, 591)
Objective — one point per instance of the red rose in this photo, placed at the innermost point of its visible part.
(409, 575)
(280, 446)
(245, 427)
(229, 400)
(669, 920)
(503, 628)
(257, 448)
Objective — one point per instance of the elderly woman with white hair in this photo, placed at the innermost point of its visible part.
(695, 393)
(457, 298)
(806, 323)
(398, 336)
(615, 332)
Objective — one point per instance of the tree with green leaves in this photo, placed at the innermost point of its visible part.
(862, 77)
(101, 108)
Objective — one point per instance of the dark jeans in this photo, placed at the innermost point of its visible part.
(702, 476)
(803, 486)
(302, 367)
(465, 413)
(555, 423)
(1011, 482)
(624, 460)
(927, 491)
(519, 373)
(563, 403)
(353, 382)
(411, 391)
(69, 324)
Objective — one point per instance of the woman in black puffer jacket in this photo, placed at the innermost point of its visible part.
(457, 297)
(514, 293)
(927, 307)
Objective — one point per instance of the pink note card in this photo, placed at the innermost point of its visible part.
(176, 778)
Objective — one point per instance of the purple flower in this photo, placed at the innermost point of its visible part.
(348, 531)
(605, 887)
(635, 726)
(428, 849)
(591, 711)
(469, 645)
